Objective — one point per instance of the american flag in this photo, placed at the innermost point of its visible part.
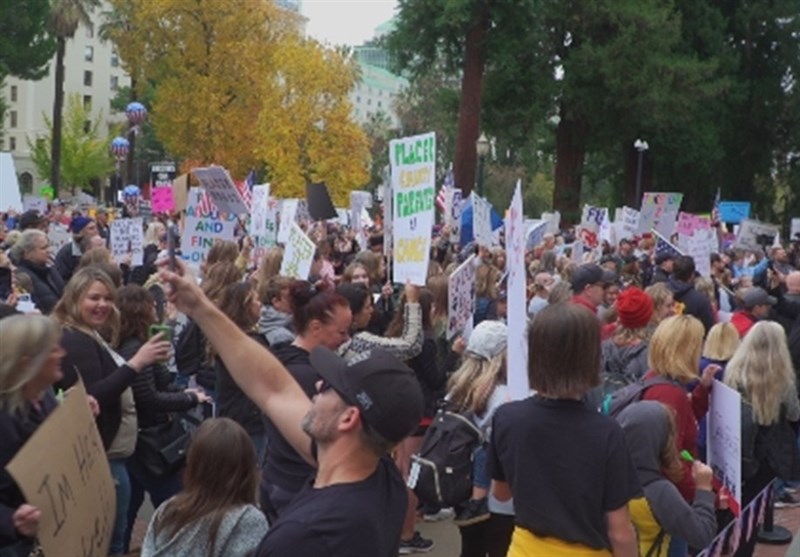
(715, 209)
(245, 188)
(663, 246)
(448, 184)
(206, 205)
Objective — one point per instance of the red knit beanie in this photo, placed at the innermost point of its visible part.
(634, 308)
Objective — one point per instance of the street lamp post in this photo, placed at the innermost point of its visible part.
(482, 147)
(641, 146)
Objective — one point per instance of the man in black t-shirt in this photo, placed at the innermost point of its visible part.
(355, 505)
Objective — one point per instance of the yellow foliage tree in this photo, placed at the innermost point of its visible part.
(236, 85)
(307, 133)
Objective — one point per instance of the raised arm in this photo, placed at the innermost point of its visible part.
(257, 372)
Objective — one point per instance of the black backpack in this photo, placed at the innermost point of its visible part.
(616, 401)
(441, 472)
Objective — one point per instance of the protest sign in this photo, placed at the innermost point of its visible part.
(162, 200)
(700, 249)
(34, 203)
(299, 254)
(482, 221)
(591, 220)
(754, 235)
(725, 442)
(553, 222)
(258, 210)
(659, 212)
(59, 236)
(9, 186)
(413, 172)
(794, 235)
(535, 230)
(180, 191)
(359, 200)
(288, 214)
(201, 228)
(630, 222)
(263, 223)
(217, 183)
(63, 471)
(127, 237)
(734, 212)
(319, 203)
(518, 384)
(388, 224)
(461, 297)
(452, 213)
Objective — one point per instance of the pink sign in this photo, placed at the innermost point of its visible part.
(162, 200)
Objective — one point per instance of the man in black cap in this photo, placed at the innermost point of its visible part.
(32, 219)
(588, 285)
(356, 504)
(663, 269)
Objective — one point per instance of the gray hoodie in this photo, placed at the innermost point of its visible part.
(239, 534)
(629, 360)
(646, 428)
(275, 326)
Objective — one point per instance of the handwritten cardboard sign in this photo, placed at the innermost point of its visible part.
(127, 237)
(725, 442)
(461, 298)
(659, 211)
(218, 183)
(299, 254)
(751, 232)
(162, 199)
(63, 471)
(482, 221)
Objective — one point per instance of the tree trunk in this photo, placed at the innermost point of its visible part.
(570, 152)
(469, 111)
(58, 109)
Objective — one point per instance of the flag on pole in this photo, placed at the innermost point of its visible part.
(245, 188)
(206, 205)
(715, 209)
(449, 183)
(663, 246)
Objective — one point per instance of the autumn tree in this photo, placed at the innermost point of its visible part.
(306, 130)
(85, 157)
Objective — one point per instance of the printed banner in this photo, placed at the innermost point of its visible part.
(63, 471)
(734, 212)
(127, 237)
(659, 211)
(217, 182)
(413, 170)
(725, 442)
(299, 254)
(518, 384)
(482, 221)
(461, 298)
(201, 228)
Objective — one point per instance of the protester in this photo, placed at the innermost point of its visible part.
(551, 450)
(275, 321)
(32, 253)
(688, 300)
(588, 283)
(756, 305)
(216, 514)
(67, 258)
(624, 355)
(91, 326)
(360, 411)
(663, 302)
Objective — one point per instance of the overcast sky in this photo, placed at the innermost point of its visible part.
(348, 22)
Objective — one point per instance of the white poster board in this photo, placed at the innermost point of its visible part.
(630, 222)
(10, 197)
(127, 236)
(659, 212)
(724, 439)
(34, 203)
(518, 384)
(751, 230)
(288, 213)
(452, 213)
(59, 236)
(299, 254)
(482, 221)
(63, 471)
(413, 168)
(217, 182)
(461, 298)
(794, 234)
(200, 232)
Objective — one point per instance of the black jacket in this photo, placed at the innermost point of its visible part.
(232, 402)
(104, 380)
(66, 263)
(694, 303)
(430, 375)
(191, 357)
(154, 392)
(48, 286)
(15, 430)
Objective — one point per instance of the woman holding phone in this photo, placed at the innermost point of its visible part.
(90, 322)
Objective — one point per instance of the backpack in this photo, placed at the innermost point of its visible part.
(617, 401)
(441, 472)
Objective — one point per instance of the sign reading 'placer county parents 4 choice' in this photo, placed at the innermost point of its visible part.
(413, 164)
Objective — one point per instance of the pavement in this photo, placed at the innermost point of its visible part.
(448, 542)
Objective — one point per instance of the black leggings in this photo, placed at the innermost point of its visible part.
(489, 538)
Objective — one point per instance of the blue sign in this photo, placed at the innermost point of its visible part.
(734, 212)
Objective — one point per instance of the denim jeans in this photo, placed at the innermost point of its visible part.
(480, 473)
(122, 486)
(159, 488)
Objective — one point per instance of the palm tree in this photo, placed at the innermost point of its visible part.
(65, 17)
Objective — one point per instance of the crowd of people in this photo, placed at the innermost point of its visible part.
(302, 401)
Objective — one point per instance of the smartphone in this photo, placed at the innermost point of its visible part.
(171, 241)
(153, 330)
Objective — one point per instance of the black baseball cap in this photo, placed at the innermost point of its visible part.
(31, 219)
(589, 273)
(385, 390)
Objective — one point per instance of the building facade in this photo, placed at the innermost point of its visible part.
(91, 70)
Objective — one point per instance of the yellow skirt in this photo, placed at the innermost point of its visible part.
(526, 544)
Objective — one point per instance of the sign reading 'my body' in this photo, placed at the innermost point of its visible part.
(413, 166)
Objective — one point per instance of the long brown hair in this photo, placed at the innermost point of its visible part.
(217, 277)
(397, 324)
(221, 475)
(137, 312)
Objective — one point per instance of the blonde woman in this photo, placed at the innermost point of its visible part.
(91, 324)
(761, 370)
(30, 362)
(663, 302)
(674, 357)
(270, 266)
